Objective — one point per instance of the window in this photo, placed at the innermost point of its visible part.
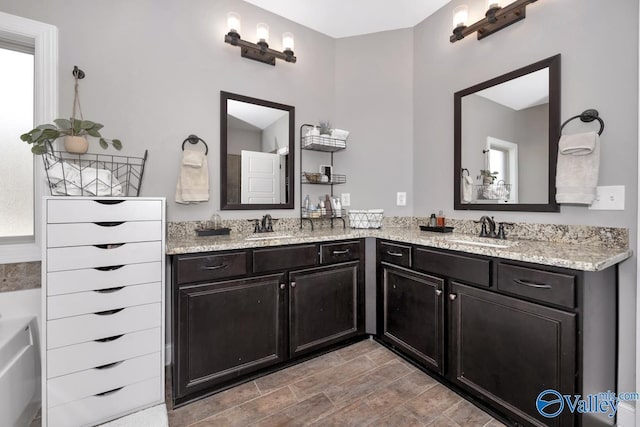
(24, 44)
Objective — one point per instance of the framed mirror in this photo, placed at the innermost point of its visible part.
(506, 134)
(256, 153)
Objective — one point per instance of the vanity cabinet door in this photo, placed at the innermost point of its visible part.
(507, 351)
(412, 311)
(227, 329)
(324, 306)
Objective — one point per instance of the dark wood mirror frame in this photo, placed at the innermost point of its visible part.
(553, 63)
(224, 97)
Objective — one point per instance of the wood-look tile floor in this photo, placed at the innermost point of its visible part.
(363, 384)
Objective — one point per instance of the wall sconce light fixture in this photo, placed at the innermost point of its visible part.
(258, 51)
(496, 18)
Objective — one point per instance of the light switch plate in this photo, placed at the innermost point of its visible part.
(401, 198)
(345, 199)
(609, 198)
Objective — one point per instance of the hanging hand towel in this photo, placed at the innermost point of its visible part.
(193, 179)
(577, 168)
(467, 189)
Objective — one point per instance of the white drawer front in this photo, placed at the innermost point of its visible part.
(96, 409)
(77, 329)
(74, 358)
(72, 387)
(65, 282)
(77, 257)
(90, 233)
(101, 300)
(88, 210)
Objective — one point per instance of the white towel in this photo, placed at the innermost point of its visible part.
(339, 134)
(578, 167)
(467, 189)
(67, 179)
(193, 179)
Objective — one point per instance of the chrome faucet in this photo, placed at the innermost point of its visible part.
(486, 220)
(263, 225)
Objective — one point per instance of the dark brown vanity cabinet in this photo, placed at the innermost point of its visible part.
(238, 313)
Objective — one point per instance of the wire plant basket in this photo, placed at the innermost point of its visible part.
(93, 174)
(498, 191)
(366, 219)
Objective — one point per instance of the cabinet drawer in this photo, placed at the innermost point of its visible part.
(395, 254)
(88, 279)
(74, 358)
(96, 233)
(473, 270)
(77, 329)
(95, 409)
(77, 257)
(76, 386)
(554, 288)
(339, 252)
(112, 209)
(67, 305)
(284, 258)
(197, 268)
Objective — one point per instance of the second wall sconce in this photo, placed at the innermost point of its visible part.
(496, 18)
(258, 51)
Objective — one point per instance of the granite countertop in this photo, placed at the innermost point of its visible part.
(567, 255)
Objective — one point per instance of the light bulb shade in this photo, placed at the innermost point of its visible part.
(233, 22)
(262, 31)
(287, 41)
(494, 4)
(460, 16)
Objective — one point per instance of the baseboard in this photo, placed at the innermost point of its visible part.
(626, 415)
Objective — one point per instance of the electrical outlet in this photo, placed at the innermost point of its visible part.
(345, 199)
(609, 198)
(401, 198)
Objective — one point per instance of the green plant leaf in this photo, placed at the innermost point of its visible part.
(37, 134)
(63, 123)
(50, 134)
(39, 149)
(77, 126)
(26, 137)
(117, 144)
(94, 133)
(103, 143)
(47, 126)
(86, 124)
(98, 126)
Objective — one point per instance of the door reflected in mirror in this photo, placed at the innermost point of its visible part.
(506, 140)
(256, 153)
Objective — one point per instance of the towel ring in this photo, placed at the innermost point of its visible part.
(586, 117)
(194, 139)
(465, 170)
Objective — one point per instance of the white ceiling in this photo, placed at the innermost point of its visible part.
(256, 115)
(345, 18)
(524, 92)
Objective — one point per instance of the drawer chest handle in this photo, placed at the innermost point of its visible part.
(109, 290)
(344, 252)
(108, 339)
(107, 393)
(108, 312)
(110, 245)
(215, 267)
(394, 253)
(109, 224)
(531, 284)
(109, 268)
(109, 202)
(110, 365)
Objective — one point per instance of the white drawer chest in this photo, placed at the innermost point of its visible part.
(103, 308)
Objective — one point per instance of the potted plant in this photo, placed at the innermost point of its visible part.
(74, 131)
(488, 177)
(325, 127)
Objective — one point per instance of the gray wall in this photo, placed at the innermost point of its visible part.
(276, 135)
(533, 153)
(240, 137)
(600, 74)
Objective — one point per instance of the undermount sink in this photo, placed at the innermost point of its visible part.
(274, 236)
(478, 243)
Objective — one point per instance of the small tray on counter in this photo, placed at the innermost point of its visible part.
(212, 231)
(436, 229)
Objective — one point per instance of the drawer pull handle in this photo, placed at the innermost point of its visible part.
(453, 297)
(531, 284)
(108, 290)
(438, 292)
(109, 202)
(110, 246)
(394, 253)
(109, 268)
(293, 284)
(108, 312)
(282, 286)
(108, 339)
(107, 393)
(110, 365)
(109, 224)
(344, 252)
(215, 267)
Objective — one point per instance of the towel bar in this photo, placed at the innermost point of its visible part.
(194, 139)
(586, 117)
